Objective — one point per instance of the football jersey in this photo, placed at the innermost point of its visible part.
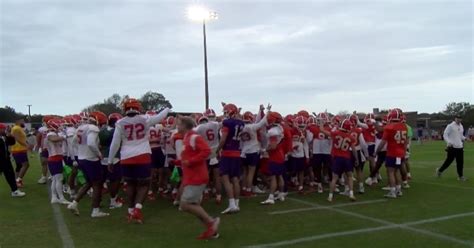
(210, 132)
(341, 144)
(44, 132)
(320, 141)
(299, 143)
(356, 134)
(87, 137)
(155, 136)
(17, 147)
(378, 140)
(395, 134)
(132, 135)
(167, 140)
(55, 149)
(369, 134)
(232, 127)
(249, 137)
(71, 146)
(275, 135)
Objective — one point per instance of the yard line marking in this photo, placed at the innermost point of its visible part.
(61, 225)
(324, 207)
(444, 185)
(362, 230)
(361, 216)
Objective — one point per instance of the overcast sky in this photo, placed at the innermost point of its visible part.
(63, 55)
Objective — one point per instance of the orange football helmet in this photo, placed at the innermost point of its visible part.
(132, 106)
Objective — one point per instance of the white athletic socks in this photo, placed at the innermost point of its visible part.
(139, 206)
(232, 203)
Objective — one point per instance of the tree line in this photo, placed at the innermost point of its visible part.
(113, 104)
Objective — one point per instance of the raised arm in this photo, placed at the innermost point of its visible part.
(155, 119)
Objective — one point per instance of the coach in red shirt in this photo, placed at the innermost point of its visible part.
(195, 176)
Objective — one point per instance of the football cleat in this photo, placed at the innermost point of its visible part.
(361, 190)
(352, 198)
(18, 193)
(320, 188)
(115, 204)
(136, 216)
(329, 199)
(64, 201)
(390, 195)
(42, 180)
(405, 185)
(368, 181)
(386, 188)
(462, 179)
(257, 190)
(99, 214)
(73, 208)
(268, 202)
(230, 210)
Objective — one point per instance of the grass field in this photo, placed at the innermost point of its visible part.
(432, 213)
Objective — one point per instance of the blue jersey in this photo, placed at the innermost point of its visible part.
(233, 128)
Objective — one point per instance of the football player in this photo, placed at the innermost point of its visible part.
(277, 149)
(114, 178)
(42, 149)
(321, 149)
(89, 155)
(300, 151)
(157, 159)
(131, 137)
(361, 149)
(209, 128)
(230, 163)
(343, 145)
(251, 147)
(395, 136)
(54, 143)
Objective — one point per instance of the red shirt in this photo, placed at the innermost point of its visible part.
(396, 136)
(195, 153)
(341, 144)
(287, 139)
(369, 134)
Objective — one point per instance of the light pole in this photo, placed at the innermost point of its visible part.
(199, 13)
(29, 112)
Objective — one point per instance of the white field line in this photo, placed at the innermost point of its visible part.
(324, 207)
(388, 223)
(63, 230)
(363, 230)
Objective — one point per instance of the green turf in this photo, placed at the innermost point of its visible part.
(29, 222)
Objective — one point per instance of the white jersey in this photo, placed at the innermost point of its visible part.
(64, 145)
(44, 132)
(87, 139)
(210, 132)
(300, 145)
(54, 148)
(249, 142)
(167, 140)
(71, 146)
(132, 135)
(155, 133)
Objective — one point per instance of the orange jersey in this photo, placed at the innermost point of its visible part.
(355, 133)
(395, 134)
(341, 144)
